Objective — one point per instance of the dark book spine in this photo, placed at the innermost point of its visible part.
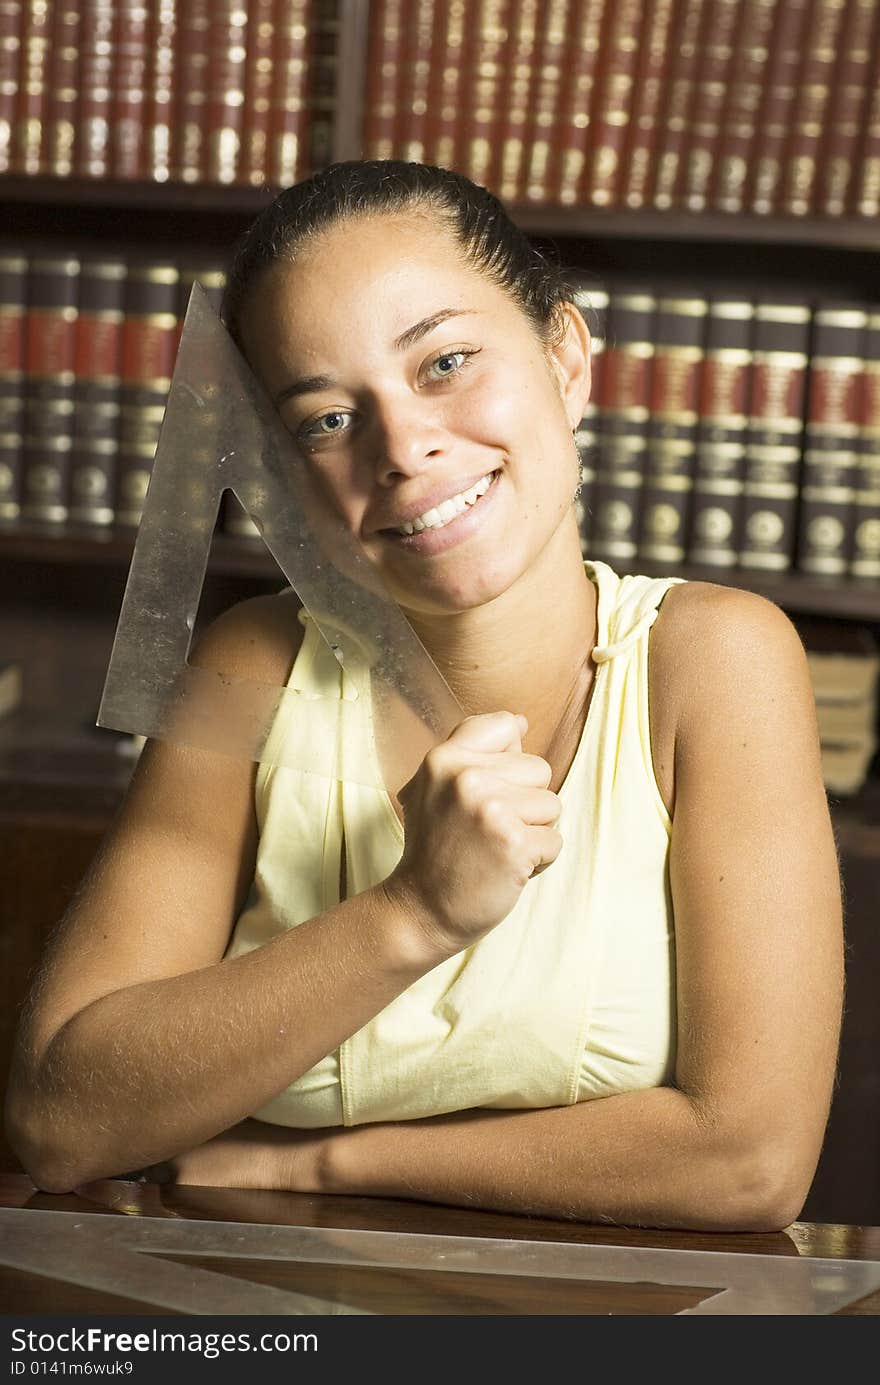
(224, 104)
(800, 160)
(834, 382)
(751, 51)
(10, 54)
(161, 83)
(508, 171)
(592, 302)
(780, 89)
(63, 94)
(288, 154)
(13, 300)
(847, 108)
(637, 165)
(775, 436)
(189, 156)
(702, 141)
(544, 114)
(675, 120)
(714, 536)
(97, 368)
(96, 69)
(128, 147)
(383, 78)
(864, 197)
(33, 87)
(322, 47)
(624, 404)
(49, 367)
(258, 77)
(668, 474)
(577, 93)
(600, 184)
(149, 343)
(865, 558)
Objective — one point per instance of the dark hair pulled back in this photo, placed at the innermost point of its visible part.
(487, 237)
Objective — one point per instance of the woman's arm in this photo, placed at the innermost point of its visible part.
(755, 886)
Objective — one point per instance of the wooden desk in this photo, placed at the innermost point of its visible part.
(187, 1217)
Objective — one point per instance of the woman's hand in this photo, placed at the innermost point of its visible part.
(480, 821)
(251, 1155)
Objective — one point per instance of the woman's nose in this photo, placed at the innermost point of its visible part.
(407, 439)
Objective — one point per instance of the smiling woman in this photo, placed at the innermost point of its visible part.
(587, 962)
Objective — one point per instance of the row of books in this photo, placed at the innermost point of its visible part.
(210, 91)
(721, 430)
(768, 106)
(844, 664)
(731, 430)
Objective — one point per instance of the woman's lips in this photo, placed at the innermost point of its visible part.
(430, 541)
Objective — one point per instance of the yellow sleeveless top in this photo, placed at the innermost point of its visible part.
(572, 995)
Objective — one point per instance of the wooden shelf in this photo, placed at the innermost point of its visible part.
(230, 556)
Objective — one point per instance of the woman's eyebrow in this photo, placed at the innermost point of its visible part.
(312, 384)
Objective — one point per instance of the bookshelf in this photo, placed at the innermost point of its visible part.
(61, 780)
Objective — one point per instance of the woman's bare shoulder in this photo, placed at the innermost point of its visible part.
(258, 639)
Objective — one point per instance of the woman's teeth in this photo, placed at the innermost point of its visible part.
(447, 510)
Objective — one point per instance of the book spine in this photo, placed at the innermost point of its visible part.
(774, 436)
(322, 47)
(865, 558)
(637, 164)
(161, 83)
(577, 93)
(224, 104)
(97, 369)
(33, 88)
(258, 75)
(13, 300)
(675, 120)
(96, 65)
(412, 112)
(668, 474)
(592, 302)
(624, 404)
(149, 343)
(781, 75)
(10, 57)
(382, 75)
(800, 160)
(864, 199)
(721, 434)
(287, 150)
(128, 150)
(601, 177)
(507, 176)
(63, 93)
(189, 158)
(479, 125)
(740, 114)
(703, 138)
(542, 128)
(49, 368)
(847, 108)
(834, 382)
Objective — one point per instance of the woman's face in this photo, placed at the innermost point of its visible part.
(422, 398)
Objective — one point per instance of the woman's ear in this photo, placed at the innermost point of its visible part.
(570, 356)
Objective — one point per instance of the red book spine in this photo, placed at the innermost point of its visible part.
(96, 67)
(13, 290)
(703, 138)
(739, 117)
(288, 153)
(444, 82)
(258, 75)
(128, 156)
(161, 80)
(224, 105)
(847, 107)
(637, 162)
(780, 87)
(189, 158)
(411, 126)
(864, 198)
(577, 94)
(50, 339)
(63, 80)
(33, 87)
(542, 130)
(600, 180)
(507, 174)
(800, 160)
(382, 72)
(97, 368)
(10, 52)
(674, 122)
(865, 560)
(149, 344)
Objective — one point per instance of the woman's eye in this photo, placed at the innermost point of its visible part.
(326, 426)
(450, 363)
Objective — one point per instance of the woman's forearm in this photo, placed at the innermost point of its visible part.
(642, 1158)
(151, 1069)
